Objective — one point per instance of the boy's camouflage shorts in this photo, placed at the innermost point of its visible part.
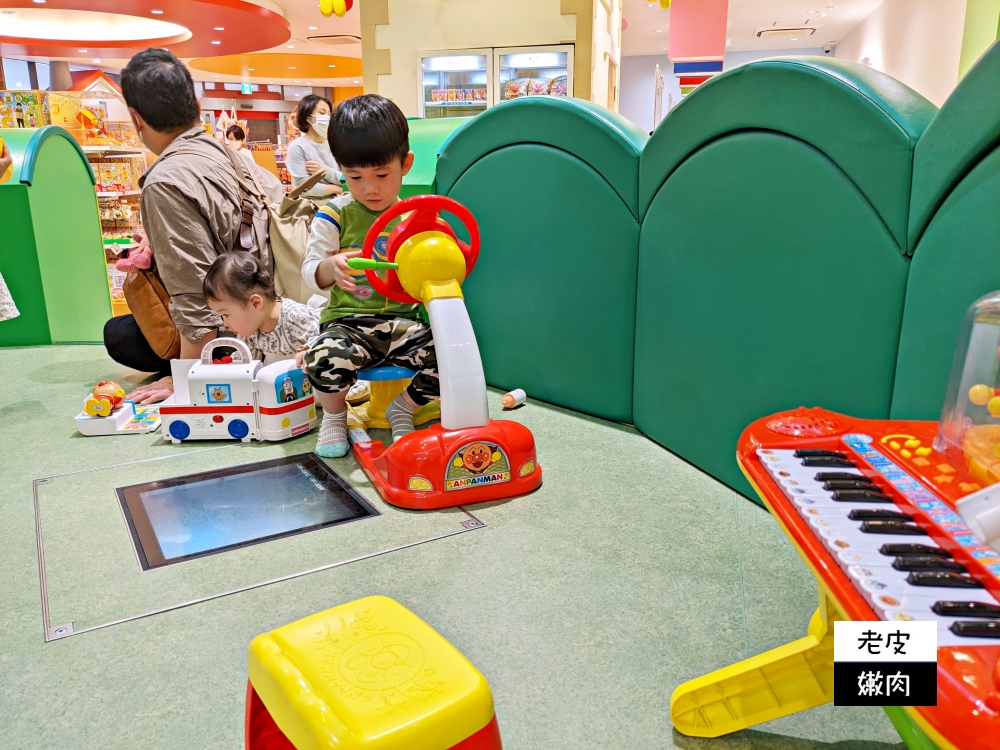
(357, 342)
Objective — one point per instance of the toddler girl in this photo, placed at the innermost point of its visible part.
(239, 289)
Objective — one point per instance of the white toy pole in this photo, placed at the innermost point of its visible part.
(460, 366)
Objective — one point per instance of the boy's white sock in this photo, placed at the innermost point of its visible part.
(400, 417)
(333, 441)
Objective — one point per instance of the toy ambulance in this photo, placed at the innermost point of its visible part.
(228, 395)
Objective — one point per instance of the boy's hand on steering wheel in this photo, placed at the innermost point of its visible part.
(344, 276)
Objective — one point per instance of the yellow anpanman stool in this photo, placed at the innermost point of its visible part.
(367, 675)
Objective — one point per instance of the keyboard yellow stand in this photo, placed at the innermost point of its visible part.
(367, 675)
(783, 681)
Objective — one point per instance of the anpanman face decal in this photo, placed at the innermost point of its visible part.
(477, 457)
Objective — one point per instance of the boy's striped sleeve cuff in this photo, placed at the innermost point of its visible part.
(330, 215)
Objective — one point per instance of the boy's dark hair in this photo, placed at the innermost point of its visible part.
(368, 131)
(236, 132)
(238, 275)
(158, 86)
(305, 109)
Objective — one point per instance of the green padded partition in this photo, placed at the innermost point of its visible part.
(52, 254)
(597, 136)
(552, 298)
(865, 121)
(963, 132)
(427, 138)
(956, 262)
(767, 281)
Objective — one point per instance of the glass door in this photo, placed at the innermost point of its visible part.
(454, 83)
(533, 71)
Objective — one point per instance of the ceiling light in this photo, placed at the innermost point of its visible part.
(214, 42)
(81, 50)
(156, 12)
(313, 28)
(291, 67)
(291, 46)
(308, 83)
(98, 60)
(331, 66)
(659, 31)
(218, 76)
(794, 39)
(298, 81)
(219, 28)
(40, 2)
(251, 69)
(822, 15)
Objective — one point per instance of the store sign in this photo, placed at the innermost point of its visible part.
(537, 60)
(246, 88)
(458, 62)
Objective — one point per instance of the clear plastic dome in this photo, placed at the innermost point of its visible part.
(970, 420)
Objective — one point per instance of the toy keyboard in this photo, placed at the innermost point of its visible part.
(870, 506)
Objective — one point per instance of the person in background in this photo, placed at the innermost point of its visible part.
(269, 183)
(311, 152)
(192, 210)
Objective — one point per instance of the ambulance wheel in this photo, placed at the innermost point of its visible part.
(179, 430)
(239, 429)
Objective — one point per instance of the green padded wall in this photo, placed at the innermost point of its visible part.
(52, 254)
(766, 281)
(552, 298)
(956, 262)
(867, 122)
(553, 184)
(956, 200)
(427, 137)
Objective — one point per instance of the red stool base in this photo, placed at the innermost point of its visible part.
(261, 733)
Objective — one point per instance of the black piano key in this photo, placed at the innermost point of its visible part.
(878, 514)
(976, 628)
(852, 494)
(806, 453)
(894, 550)
(891, 527)
(966, 609)
(844, 484)
(833, 476)
(915, 562)
(943, 580)
(860, 496)
(831, 462)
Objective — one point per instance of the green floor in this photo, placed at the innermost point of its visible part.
(584, 604)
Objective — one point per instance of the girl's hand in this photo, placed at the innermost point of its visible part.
(342, 274)
(152, 392)
(312, 167)
(300, 359)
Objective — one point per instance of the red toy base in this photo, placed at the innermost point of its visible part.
(262, 733)
(438, 468)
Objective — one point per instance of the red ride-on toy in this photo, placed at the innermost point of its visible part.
(468, 457)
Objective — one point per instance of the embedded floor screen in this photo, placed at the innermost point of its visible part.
(201, 514)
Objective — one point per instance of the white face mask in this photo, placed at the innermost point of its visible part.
(320, 123)
(235, 145)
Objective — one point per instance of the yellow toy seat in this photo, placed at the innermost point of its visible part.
(367, 675)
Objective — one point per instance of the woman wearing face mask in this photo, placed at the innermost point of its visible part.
(271, 185)
(311, 153)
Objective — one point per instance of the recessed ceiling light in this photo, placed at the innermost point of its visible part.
(313, 28)
(156, 12)
(298, 81)
(356, 81)
(794, 39)
(291, 46)
(98, 60)
(219, 28)
(40, 2)
(251, 69)
(291, 67)
(218, 76)
(214, 42)
(81, 50)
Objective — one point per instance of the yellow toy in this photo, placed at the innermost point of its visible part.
(105, 398)
(335, 7)
(367, 675)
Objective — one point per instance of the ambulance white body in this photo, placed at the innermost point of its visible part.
(228, 395)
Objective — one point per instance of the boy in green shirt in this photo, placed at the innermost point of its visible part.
(360, 328)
